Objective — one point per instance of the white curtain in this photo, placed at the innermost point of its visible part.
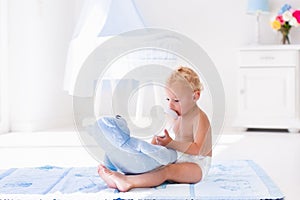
(99, 20)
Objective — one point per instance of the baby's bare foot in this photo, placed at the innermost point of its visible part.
(121, 182)
(114, 179)
(105, 174)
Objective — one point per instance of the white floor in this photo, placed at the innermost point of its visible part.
(277, 153)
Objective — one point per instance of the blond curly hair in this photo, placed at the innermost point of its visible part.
(187, 75)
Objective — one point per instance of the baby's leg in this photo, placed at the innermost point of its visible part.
(126, 182)
(179, 172)
(186, 172)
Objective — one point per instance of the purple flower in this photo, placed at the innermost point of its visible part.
(284, 8)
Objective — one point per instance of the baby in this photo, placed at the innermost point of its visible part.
(192, 139)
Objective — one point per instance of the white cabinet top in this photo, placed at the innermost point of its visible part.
(271, 47)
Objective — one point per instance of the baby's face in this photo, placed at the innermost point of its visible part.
(180, 98)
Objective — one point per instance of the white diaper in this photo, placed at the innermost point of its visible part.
(204, 162)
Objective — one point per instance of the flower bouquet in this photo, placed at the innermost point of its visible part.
(285, 20)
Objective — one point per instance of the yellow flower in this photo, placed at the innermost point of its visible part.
(276, 25)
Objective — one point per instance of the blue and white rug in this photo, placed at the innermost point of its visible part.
(242, 179)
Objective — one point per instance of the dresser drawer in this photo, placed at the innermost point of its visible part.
(265, 58)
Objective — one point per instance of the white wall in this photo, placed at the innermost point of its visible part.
(39, 34)
(4, 110)
(40, 31)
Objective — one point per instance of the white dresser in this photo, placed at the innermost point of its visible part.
(268, 87)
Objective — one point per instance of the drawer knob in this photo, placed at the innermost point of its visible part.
(267, 58)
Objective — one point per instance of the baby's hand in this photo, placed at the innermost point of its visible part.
(163, 140)
(154, 141)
